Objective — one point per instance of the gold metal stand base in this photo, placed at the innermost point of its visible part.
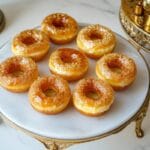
(139, 120)
(52, 145)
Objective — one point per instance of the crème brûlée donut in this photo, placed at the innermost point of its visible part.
(31, 43)
(68, 63)
(96, 40)
(50, 95)
(93, 97)
(60, 28)
(17, 73)
(117, 69)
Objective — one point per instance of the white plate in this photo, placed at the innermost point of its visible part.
(70, 124)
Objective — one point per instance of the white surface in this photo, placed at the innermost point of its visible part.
(66, 124)
(26, 14)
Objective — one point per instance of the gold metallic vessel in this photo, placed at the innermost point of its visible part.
(135, 19)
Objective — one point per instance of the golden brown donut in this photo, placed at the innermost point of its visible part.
(61, 28)
(117, 69)
(92, 96)
(50, 95)
(31, 43)
(68, 63)
(96, 40)
(17, 73)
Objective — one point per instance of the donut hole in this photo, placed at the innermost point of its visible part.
(68, 57)
(95, 36)
(92, 93)
(58, 23)
(50, 92)
(48, 89)
(29, 40)
(115, 65)
(15, 70)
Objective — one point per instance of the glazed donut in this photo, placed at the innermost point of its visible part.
(17, 73)
(93, 96)
(117, 69)
(68, 63)
(31, 43)
(96, 40)
(49, 95)
(60, 28)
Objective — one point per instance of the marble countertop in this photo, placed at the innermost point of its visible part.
(24, 14)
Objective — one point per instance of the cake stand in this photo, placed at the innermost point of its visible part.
(60, 131)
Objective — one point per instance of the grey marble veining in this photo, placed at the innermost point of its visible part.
(100, 7)
(104, 6)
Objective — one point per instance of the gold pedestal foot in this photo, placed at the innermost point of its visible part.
(52, 145)
(139, 120)
(138, 129)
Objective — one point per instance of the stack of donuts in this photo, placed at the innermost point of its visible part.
(51, 94)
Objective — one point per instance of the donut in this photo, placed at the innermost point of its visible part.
(17, 73)
(60, 28)
(49, 95)
(117, 69)
(93, 97)
(68, 63)
(96, 40)
(31, 43)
